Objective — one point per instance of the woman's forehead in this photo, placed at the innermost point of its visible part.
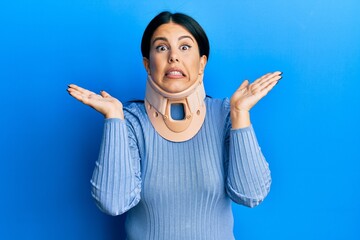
(171, 29)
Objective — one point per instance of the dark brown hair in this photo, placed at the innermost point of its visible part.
(179, 18)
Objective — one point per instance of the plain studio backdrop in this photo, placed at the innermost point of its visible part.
(308, 126)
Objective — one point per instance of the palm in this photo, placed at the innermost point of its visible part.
(247, 95)
(103, 103)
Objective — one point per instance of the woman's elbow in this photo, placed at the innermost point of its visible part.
(112, 203)
(253, 202)
(115, 209)
(248, 200)
(107, 208)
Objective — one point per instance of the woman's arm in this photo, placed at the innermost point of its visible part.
(248, 180)
(116, 182)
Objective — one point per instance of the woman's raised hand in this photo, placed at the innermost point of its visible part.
(247, 95)
(107, 105)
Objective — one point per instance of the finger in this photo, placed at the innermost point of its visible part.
(90, 100)
(243, 85)
(264, 82)
(240, 91)
(74, 87)
(267, 76)
(269, 81)
(262, 78)
(268, 88)
(256, 84)
(72, 90)
(80, 89)
(104, 94)
(77, 95)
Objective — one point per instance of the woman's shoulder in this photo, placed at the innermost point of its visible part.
(134, 108)
(219, 104)
(133, 105)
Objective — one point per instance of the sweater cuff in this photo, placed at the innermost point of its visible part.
(113, 120)
(242, 130)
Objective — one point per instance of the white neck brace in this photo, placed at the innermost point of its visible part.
(158, 107)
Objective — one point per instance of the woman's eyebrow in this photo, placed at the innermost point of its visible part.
(166, 40)
(186, 36)
(159, 38)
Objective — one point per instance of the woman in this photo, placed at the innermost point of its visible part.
(175, 162)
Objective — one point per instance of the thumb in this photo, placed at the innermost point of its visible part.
(240, 91)
(105, 94)
(243, 85)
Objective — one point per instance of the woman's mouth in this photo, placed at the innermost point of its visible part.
(174, 74)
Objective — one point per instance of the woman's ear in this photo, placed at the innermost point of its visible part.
(146, 63)
(203, 61)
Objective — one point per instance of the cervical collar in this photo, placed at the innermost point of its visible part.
(158, 107)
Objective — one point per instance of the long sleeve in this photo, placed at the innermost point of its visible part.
(249, 179)
(116, 182)
(186, 187)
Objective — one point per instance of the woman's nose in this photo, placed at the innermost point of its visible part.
(173, 57)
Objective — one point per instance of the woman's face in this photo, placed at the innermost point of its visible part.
(174, 62)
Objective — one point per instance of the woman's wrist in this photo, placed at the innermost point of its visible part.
(115, 114)
(240, 118)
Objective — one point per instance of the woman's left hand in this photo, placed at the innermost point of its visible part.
(247, 95)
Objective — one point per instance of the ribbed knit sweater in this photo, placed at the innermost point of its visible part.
(178, 190)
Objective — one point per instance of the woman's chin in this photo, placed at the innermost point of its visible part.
(174, 87)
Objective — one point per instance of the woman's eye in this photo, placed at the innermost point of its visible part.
(185, 47)
(161, 48)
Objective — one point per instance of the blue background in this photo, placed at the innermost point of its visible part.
(308, 126)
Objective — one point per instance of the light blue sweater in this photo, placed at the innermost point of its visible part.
(178, 191)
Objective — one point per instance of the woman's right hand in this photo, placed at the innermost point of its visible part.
(105, 104)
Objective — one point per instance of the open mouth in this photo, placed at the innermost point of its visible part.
(174, 73)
